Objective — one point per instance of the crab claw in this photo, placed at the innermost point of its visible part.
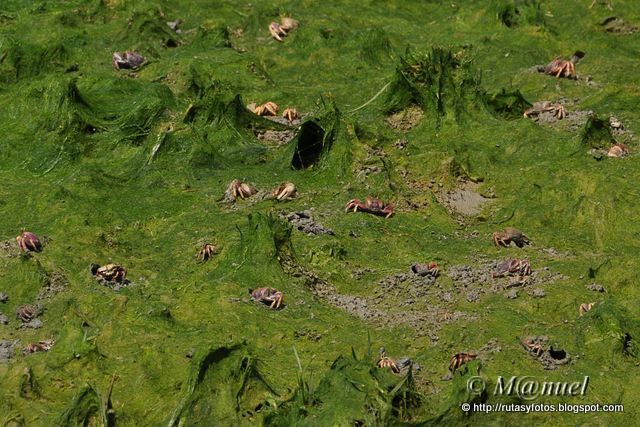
(277, 31)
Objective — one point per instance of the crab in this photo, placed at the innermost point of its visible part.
(267, 109)
(207, 251)
(510, 234)
(429, 269)
(277, 32)
(386, 362)
(563, 68)
(239, 189)
(584, 307)
(512, 267)
(285, 191)
(44, 345)
(109, 273)
(290, 114)
(280, 30)
(540, 107)
(370, 205)
(618, 150)
(270, 296)
(533, 346)
(459, 359)
(127, 60)
(26, 313)
(29, 242)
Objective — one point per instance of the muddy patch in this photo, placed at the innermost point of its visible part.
(406, 119)
(472, 282)
(401, 299)
(464, 200)
(8, 349)
(275, 137)
(9, 249)
(304, 221)
(572, 120)
(53, 284)
(619, 26)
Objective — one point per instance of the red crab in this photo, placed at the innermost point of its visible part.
(562, 68)
(457, 360)
(29, 242)
(370, 205)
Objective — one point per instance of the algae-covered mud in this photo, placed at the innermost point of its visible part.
(283, 213)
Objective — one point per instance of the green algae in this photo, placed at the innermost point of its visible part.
(132, 169)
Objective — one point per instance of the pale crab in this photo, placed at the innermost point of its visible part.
(269, 296)
(563, 68)
(584, 307)
(285, 191)
(511, 267)
(510, 234)
(238, 189)
(127, 60)
(428, 269)
(290, 114)
(29, 242)
(44, 345)
(386, 362)
(370, 205)
(618, 150)
(208, 250)
(554, 108)
(533, 345)
(459, 359)
(112, 273)
(267, 109)
(280, 30)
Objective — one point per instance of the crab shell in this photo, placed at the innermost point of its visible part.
(533, 345)
(370, 205)
(207, 251)
(386, 362)
(269, 296)
(290, 114)
(285, 191)
(44, 345)
(512, 266)
(239, 189)
(288, 24)
(510, 234)
(109, 272)
(277, 32)
(27, 312)
(267, 109)
(584, 307)
(459, 359)
(127, 60)
(28, 241)
(618, 150)
(429, 269)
